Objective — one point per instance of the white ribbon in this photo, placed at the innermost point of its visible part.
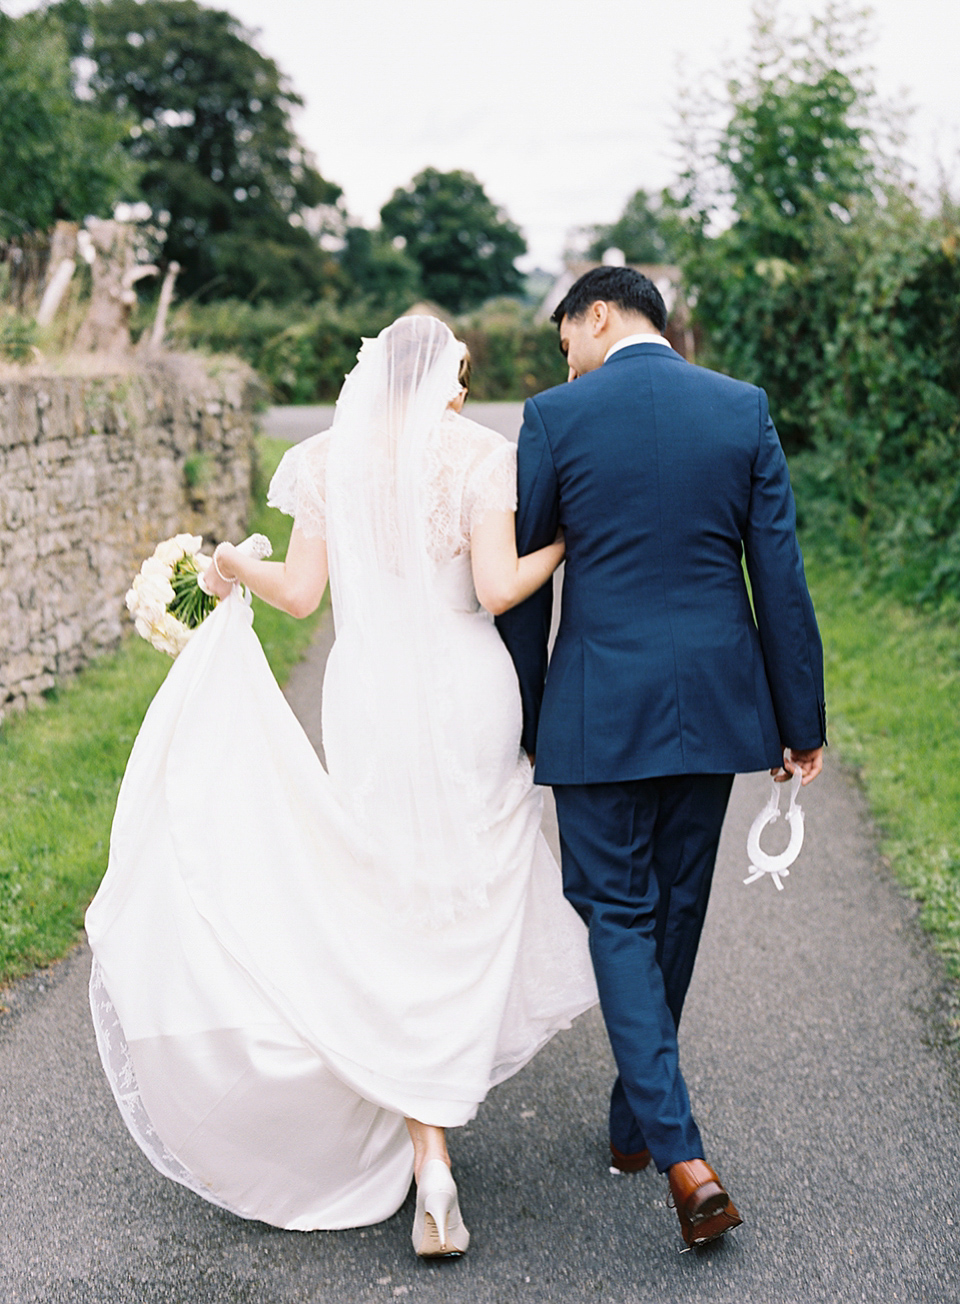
(776, 866)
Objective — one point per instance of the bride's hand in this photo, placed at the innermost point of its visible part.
(214, 580)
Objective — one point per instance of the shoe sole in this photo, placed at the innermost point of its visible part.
(705, 1234)
(713, 1219)
(630, 1163)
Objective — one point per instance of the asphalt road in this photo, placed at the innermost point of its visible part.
(294, 423)
(812, 1047)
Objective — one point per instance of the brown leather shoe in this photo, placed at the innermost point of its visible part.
(703, 1206)
(635, 1163)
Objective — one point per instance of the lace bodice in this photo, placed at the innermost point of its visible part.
(470, 471)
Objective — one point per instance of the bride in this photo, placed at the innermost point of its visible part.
(302, 976)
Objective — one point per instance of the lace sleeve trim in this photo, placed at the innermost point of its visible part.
(492, 486)
(298, 487)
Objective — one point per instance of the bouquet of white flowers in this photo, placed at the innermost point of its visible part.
(166, 600)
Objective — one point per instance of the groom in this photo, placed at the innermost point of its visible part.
(664, 682)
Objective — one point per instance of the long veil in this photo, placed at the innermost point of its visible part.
(263, 1020)
(391, 616)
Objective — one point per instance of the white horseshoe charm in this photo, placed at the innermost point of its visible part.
(776, 866)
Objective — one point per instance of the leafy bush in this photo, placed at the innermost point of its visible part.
(304, 353)
(881, 476)
(306, 362)
(835, 291)
(17, 337)
(512, 355)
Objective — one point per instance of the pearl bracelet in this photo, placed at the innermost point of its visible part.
(226, 579)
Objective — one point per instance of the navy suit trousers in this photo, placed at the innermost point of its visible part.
(638, 861)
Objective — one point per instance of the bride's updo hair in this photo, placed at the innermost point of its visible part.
(409, 375)
(414, 346)
(464, 373)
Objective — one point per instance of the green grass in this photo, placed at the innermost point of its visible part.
(61, 766)
(893, 699)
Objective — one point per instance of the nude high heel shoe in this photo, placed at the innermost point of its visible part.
(438, 1230)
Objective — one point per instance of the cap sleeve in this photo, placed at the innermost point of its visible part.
(492, 484)
(298, 487)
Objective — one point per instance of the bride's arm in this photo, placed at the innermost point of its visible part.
(295, 585)
(501, 578)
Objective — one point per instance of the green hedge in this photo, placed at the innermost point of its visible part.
(858, 347)
(817, 271)
(879, 483)
(511, 361)
(303, 353)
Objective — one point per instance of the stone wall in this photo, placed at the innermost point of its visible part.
(94, 471)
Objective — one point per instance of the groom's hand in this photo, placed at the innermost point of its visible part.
(809, 763)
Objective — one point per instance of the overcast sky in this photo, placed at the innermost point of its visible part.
(562, 108)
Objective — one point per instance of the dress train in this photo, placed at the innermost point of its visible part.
(262, 1020)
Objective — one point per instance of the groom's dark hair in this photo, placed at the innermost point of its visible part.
(631, 291)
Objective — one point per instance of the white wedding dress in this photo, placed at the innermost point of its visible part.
(282, 973)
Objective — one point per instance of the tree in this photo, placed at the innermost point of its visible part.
(798, 143)
(59, 158)
(211, 130)
(785, 176)
(819, 276)
(644, 231)
(379, 271)
(463, 244)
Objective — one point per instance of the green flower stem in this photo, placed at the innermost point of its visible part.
(190, 604)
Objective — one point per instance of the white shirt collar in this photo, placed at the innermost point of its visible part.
(645, 338)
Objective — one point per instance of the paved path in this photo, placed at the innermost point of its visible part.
(294, 423)
(810, 1049)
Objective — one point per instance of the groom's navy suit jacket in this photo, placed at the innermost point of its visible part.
(663, 477)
